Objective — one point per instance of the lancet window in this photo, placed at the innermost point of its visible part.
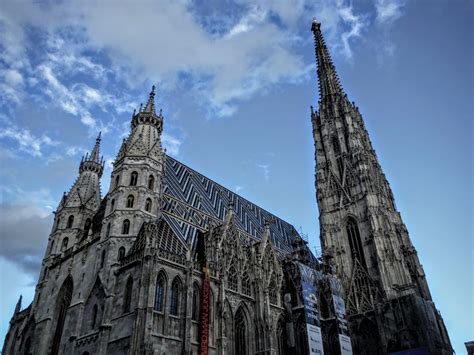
(133, 178)
(148, 205)
(195, 309)
(232, 280)
(246, 286)
(130, 201)
(174, 297)
(151, 182)
(126, 227)
(355, 242)
(70, 221)
(127, 296)
(160, 293)
(121, 253)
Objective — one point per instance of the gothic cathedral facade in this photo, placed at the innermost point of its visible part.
(170, 262)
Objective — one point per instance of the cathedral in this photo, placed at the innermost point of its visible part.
(170, 262)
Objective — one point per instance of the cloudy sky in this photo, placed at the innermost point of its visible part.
(235, 80)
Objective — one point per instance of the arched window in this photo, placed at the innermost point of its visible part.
(87, 226)
(337, 154)
(246, 287)
(94, 317)
(121, 253)
(65, 243)
(127, 296)
(160, 293)
(355, 242)
(174, 297)
(70, 221)
(148, 205)
(272, 292)
(126, 227)
(117, 181)
(241, 338)
(63, 302)
(133, 178)
(58, 222)
(52, 247)
(232, 279)
(195, 309)
(107, 231)
(151, 182)
(102, 259)
(112, 205)
(130, 200)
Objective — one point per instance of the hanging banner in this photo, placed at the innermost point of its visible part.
(311, 309)
(340, 312)
(204, 319)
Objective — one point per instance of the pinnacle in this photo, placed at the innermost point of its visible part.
(150, 106)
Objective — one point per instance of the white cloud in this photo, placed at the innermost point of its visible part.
(27, 141)
(387, 11)
(171, 143)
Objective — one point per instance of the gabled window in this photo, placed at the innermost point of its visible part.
(160, 293)
(127, 296)
(70, 221)
(133, 178)
(148, 205)
(130, 201)
(126, 227)
(151, 182)
(175, 296)
(232, 280)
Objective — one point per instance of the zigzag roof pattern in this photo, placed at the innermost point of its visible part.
(193, 202)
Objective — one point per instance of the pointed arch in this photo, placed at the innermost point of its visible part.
(127, 295)
(62, 303)
(160, 291)
(70, 221)
(241, 332)
(130, 201)
(148, 205)
(133, 178)
(175, 296)
(355, 242)
(126, 226)
(151, 182)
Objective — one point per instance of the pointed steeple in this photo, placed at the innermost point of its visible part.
(150, 105)
(328, 81)
(93, 162)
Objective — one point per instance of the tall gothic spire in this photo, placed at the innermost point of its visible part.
(328, 81)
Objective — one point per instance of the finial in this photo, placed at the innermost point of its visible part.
(98, 137)
(134, 112)
(315, 24)
(140, 110)
(312, 110)
(152, 90)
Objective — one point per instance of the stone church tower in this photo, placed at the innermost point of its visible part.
(362, 234)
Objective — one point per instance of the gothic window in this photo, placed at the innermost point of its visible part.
(232, 279)
(65, 242)
(195, 309)
(151, 182)
(246, 287)
(355, 242)
(102, 259)
(148, 205)
(63, 301)
(112, 205)
(241, 338)
(94, 317)
(272, 292)
(52, 246)
(337, 154)
(107, 231)
(70, 221)
(130, 200)
(127, 296)
(174, 297)
(126, 227)
(87, 226)
(133, 178)
(160, 293)
(117, 180)
(121, 253)
(58, 223)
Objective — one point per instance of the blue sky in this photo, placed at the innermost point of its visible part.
(235, 80)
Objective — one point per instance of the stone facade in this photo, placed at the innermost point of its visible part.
(362, 234)
(170, 262)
